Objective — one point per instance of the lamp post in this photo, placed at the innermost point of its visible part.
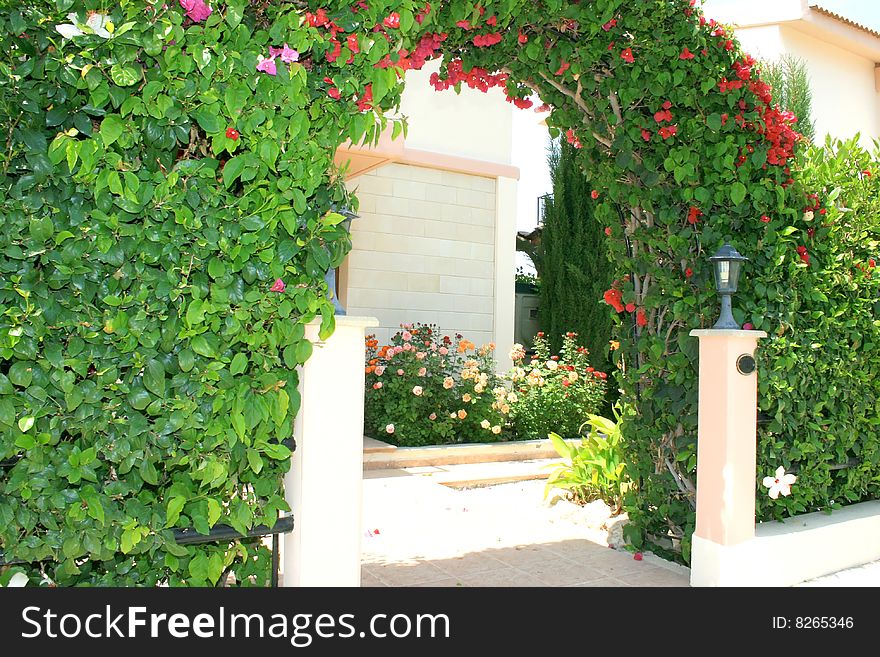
(727, 262)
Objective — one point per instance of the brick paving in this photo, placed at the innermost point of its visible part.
(432, 535)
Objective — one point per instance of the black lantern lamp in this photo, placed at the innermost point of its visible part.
(727, 262)
(331, 276)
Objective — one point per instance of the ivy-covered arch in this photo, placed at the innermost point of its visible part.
(169, 217)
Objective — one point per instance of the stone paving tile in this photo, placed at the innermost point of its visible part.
(406, 574)
(370, 580)
(652, 576)
(603, 582)
(449, 582)
(470, 564)
(524, 556)
(559, 572)
(504, 576)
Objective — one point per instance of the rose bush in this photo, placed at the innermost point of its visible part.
(554, 393)
(425, 388)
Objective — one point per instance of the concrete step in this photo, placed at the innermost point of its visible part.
(472, 475)
(379, 455)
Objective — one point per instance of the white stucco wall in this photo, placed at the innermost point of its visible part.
(470, 124)
(424, 251)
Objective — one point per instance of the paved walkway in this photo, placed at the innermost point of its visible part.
(430, 534)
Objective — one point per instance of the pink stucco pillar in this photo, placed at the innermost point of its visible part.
(726, 451)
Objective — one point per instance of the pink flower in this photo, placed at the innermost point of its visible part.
(380, 370)
(423, 371)
(432, 416)
(443, 351)
(407, 336)
(408, 347)
(196, 10)
(421, 355)
(278, 286)
(400, 372)
(392, 20)
(267, 65)
(288, 55)
(637, 556)
(377, 385)
(417, 391)
(389, 428)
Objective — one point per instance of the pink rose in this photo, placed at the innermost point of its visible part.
(443, 351)
(377, 385)
(407, 336)
(432, 416)
(389, 428)
(423, 371)
(399, 372)
(421, 355)
(380, 370)
(417, 391)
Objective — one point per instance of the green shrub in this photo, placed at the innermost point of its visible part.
(553, 393)
(594, 469)
(426, 388)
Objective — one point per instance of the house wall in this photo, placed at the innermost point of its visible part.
(844, 97)
(424, 251)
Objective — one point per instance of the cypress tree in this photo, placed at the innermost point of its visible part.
(575, 269)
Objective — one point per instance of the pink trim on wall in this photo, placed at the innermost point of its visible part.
(389, 150)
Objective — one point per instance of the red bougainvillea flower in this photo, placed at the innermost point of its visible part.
(196, 10)
(765, 219)
(392, 20)
(614, 299)
(232, 133)
(333, 92)
(365, 102)
(866, 172)
(686, 54)
(748, 326)
(871, 263)
(694, 215)
(352, 43)
(728, 45)
(572, 138)
(486, 40)
(641, 318)
(522, 38)
(566, 383)
(594, 194)
(562, 68)
(317, 19)
(492, 20)
(638, 556)
(630, 307)
(278, 286)
(607, 26)
(668, 131)
(465, 25)
(627, 55)
(267, 65)
(608, 231)
(663, 115)
(802, 252)
(688, 272)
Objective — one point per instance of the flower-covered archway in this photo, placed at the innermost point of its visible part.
(170, 214)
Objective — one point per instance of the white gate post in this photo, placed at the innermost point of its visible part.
(324, 484)
(726, 458)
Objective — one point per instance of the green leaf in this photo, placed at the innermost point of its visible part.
(235, 98)
(186, 360)
(25, 423)
(214, 511)
(111, 129)
(195, 313)
(233, 168)
(96, 509)
(20, 373)
(148, 472)
(202, 347)
(208, 120)
(172, 512)
(154, 378)
(737, 192)
(255, 460)
(239, 364)
(7, 412)
(125, 75)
